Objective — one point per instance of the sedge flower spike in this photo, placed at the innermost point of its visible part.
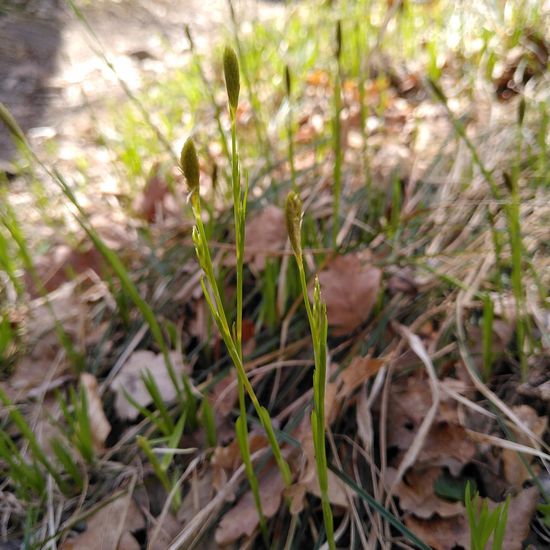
(293, 213)
(288, 81)
(232, 79)
(189, 164)
(338, 45)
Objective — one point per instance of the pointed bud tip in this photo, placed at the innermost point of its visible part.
(232, 79)
(338, 45)
(189, 164)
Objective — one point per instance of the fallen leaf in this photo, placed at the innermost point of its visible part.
(243, 519)
(332, 403)
(520, 513)
(199, 494)
(226, 460)
(62, 263)
(168, 530)
(110, 527)
(357, 372)
(224, 394)
(447, 445)
(515, 471)
(265, 235)
(149, 201)
(297, 495)
(349, 287)
(63, 305)
(441, 533)
(98, 421)
(39, 365)
(416, 494)
(129, 380)
(447, 442)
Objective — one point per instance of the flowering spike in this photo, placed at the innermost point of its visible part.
(288, 81)
(189, 164)
(338, 48)
(232, 81)
(293, 212)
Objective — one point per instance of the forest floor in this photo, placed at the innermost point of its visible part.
(417, 138)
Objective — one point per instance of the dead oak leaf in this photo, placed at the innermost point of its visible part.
(515, 470)
(441, 533)
(350, 287)
(243, 519)
(357, 372)
(521, 511)
(416, 494)
(110, 528)
(447, 445)
(265, 235)
(129, 380)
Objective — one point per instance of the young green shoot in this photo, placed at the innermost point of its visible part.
(317, 316)
(484, 523)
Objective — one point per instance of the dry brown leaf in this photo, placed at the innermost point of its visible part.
(68, 308)
(350, 287)
(358, 371)
(63, 262)
(515, 471)
(265, 235)
(521, 512)
(225, 393)
(151, 197)
(243, 518)
(447, 445)
(110, 527)
(447, 442)
(168, 530)
(38, 366)
(199, 494)
(128, 542)
(129, 380)
(441, 533)
(332, 403)
(416, 494)
(297, 495)
(98, 421)
(226, 460)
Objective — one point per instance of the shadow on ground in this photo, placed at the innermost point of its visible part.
(30, 39)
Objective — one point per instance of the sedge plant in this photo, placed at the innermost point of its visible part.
(231, 334)
(317, 316)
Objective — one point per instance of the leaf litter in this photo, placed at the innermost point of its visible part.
(361, 296)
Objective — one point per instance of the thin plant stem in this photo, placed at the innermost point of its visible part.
(337, 170)
(317, 317)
